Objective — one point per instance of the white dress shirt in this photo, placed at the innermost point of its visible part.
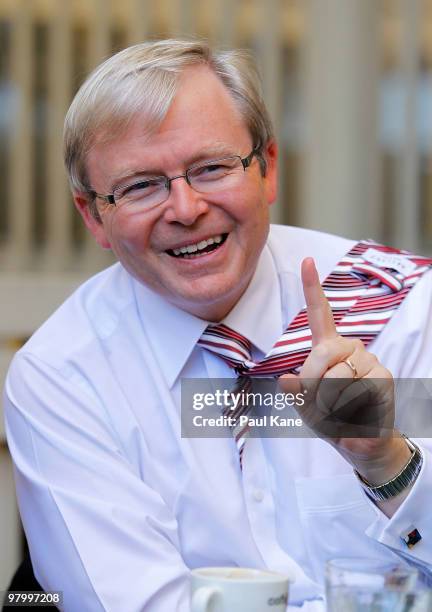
(117, 507)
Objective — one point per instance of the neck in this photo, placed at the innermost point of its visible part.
(216, 311)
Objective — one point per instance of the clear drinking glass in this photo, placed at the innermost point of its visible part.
(368, 585)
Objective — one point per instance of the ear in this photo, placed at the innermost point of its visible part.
(271, 156)
(96, 227)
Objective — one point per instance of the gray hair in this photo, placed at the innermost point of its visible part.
(143, 79)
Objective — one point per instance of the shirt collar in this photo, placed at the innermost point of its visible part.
(173, 333)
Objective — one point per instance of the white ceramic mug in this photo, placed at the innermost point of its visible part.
(224, 589)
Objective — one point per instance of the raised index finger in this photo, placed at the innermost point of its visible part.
(320, 316)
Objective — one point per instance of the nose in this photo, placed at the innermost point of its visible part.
(184, 205)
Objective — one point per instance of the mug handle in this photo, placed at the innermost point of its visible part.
(201, 598)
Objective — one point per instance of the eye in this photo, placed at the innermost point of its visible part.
(212, 171)
(140, 186)
(211, 168)
(139, 189)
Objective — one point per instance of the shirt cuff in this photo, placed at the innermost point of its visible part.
(409, 531)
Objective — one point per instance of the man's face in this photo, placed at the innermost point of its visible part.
(202, 123)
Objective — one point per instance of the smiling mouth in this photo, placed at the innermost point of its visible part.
(197, 249)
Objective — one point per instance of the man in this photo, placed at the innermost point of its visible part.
(172, 164)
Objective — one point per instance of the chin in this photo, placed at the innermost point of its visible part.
(212, 303)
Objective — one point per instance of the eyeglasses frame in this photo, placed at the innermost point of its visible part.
(245, 161)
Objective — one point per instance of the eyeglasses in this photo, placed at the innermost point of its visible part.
(206, 177)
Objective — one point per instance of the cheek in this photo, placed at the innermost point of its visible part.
(127, 233)
(254, 212)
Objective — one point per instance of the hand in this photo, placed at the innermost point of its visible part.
(358, 398)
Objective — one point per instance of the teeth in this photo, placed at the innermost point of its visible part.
(193, 248)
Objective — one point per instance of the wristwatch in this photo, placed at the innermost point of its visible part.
(401, 481)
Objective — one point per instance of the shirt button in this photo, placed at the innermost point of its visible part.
(258, 495)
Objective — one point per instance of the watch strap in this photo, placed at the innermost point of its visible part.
(403, 479)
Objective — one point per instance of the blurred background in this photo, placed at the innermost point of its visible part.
(348, 84)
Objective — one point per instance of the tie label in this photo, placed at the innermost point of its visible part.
(390, 260)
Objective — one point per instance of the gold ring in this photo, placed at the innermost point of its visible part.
(351, 366)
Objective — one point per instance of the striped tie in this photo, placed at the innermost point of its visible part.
(364, 291)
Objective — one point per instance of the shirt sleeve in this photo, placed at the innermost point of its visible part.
(405, 348)
(95, 530)
(413, 514)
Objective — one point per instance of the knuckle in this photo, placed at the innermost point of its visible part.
(342, 342)
(332, 373)
(373, 358)
(387, 373)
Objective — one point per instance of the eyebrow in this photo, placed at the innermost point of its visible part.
(214, 152)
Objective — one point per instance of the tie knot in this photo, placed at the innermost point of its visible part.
(228, 344)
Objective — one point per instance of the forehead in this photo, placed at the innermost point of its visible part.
(203, 118)
(199, 89)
